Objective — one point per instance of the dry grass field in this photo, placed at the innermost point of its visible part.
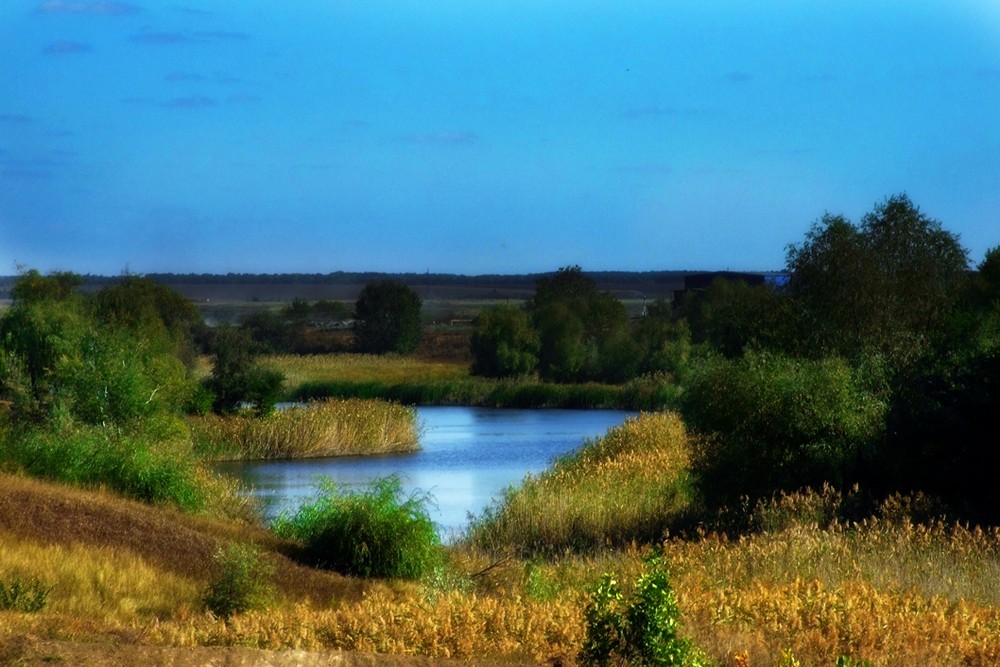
(126, 579)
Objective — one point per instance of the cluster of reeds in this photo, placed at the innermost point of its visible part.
(630, 484)
(321, 428)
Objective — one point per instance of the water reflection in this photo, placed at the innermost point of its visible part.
(468, 456)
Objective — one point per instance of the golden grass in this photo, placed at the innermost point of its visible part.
(388, 369)
(892, 594)
(94, 582)
(321, 428)
(627, 485)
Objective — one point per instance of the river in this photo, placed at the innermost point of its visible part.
(467, 457)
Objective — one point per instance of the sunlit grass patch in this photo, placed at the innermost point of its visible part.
(98, 582)
(321, 428)
(387, 368)
(627, 486)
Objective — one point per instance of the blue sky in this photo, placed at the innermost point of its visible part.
(483, 137)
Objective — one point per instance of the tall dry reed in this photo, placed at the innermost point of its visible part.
(628, 485)
(322, 428)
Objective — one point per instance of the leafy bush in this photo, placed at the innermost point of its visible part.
(777, 423)
(238, 378)
(152, 466)
(241, 583)
(373, 532)
(503, 343)
(24, 595)
(642, 633)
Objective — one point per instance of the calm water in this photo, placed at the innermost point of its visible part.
(468, 456)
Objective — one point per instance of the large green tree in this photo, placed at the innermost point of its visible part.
(387, 318)
(885, 285)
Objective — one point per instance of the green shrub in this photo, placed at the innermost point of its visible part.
(24, 595)
(373, 532)
(150, 466)
(241, 583)
(779, 423)
(639, 631)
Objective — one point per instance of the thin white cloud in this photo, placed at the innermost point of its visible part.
(91, 7)
(65, 47)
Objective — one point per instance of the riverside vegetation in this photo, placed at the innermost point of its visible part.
(810, 498)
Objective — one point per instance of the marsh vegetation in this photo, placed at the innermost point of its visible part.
(814, 486)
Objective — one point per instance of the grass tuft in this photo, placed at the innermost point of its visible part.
(374, 532)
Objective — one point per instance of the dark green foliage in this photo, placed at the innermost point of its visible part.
(24, 595)
(151, 311)
(387, 318)
(272, 333)
(564, 353)
(732, 316)
(35, 338)
(568, 284)
(373, 532)
(778, 423)
(945, 435)
(646, 393)
(241, 582)
(664, 344)
(641, 630)
(503, 343)
(238, 378)
(32, 287)
(885, 285)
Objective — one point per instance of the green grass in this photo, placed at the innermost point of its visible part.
(144, 464)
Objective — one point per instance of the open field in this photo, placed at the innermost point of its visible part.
(807, 590)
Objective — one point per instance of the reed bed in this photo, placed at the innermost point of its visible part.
(628, 485)
(318, 429)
